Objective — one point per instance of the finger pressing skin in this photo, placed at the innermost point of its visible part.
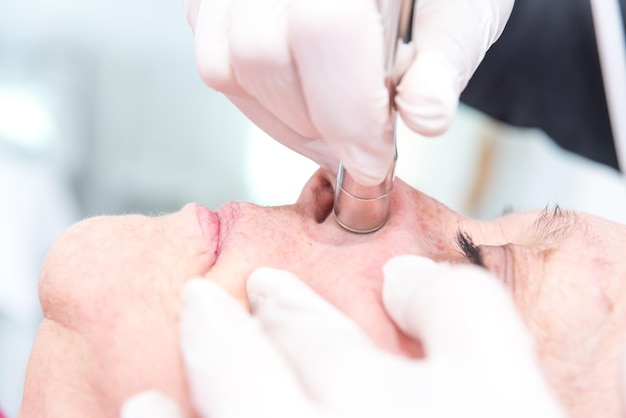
(332, 356)
(228, 359)
(211, 40)
(470, 328)
(428, 96)
(151, 404)
(459, 310)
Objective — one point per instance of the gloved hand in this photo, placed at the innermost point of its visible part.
(310, 73)
(300, 357)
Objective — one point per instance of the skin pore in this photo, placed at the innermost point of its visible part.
(110, 290)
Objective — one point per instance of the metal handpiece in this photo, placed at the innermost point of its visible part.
(364, 209)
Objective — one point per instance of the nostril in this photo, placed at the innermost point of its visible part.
(317, 197)
(325, 197)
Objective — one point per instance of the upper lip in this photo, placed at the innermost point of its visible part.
(211, 230)
(227, 215)
(216, 226)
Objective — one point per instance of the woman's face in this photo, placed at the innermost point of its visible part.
(114, 282)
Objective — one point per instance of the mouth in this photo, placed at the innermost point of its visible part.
(227, 216)
(210, 226)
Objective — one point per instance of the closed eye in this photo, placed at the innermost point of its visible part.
(468, 249)
(498, 259)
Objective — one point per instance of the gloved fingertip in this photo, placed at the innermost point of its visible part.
(367, 162)
(203, 308)
(198, 292)
(428, 95)
(283, 291)
(193, 8)
(371, 176)
(266, 283)
(405, 55)
(429, 118)
(192, 287)
(402, 275)
(151, 404)
(404, 264)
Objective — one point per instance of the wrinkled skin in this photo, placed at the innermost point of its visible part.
(110, 290)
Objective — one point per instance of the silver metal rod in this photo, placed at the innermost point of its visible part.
(359, 208)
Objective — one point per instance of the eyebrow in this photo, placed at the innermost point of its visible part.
(554, 223)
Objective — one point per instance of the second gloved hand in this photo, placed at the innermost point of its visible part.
(300, 357)
(311, 74)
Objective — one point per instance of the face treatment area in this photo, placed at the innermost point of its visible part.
(103, 113)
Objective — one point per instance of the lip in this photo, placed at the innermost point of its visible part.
(227, 215)
(209, 223)
(215, 226)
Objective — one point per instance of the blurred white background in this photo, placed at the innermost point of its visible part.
(102, 112)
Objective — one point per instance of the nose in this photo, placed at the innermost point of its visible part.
(317, 196)
(421, 214)
(417, 222)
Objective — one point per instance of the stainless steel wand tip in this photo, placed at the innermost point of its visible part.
(362, 209)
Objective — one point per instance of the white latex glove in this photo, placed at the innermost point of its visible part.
(301, 357)
(310, 73)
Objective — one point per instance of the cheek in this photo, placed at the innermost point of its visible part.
(344, 268)
(250, 246)
(352, 280)
(348, 275)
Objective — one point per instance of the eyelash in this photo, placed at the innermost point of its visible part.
(468, 248)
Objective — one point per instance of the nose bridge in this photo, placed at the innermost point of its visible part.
(410, 201)
(424, 225)
(430, 223)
